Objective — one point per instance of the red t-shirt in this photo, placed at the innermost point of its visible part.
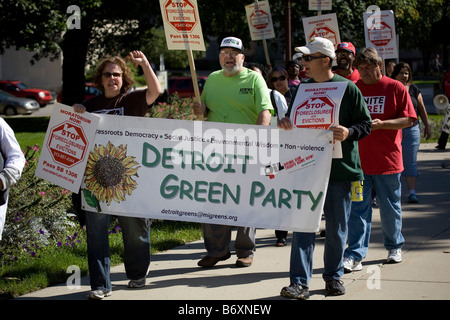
(354, 76)
(381, 150)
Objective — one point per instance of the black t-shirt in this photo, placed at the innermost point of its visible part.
(127, 104)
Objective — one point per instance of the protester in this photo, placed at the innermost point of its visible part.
(411, 135)
(345, 58)
(113, 77)
(354, 124)
(233, 94)
(297, 57)
(391, 110)
(293, 68)
(12, 162)
(390, 65)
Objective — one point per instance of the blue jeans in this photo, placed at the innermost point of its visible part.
(136, 240)
(388, 188)
(337, 211)
(410, 147)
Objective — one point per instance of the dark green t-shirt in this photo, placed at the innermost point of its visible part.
(354, 115)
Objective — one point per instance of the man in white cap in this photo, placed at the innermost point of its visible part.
(354, 124)
(234, 94)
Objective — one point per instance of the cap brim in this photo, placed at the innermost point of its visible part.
(304, 50)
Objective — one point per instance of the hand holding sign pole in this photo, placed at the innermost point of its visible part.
(183, 31)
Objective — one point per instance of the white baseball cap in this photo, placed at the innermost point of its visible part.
(232, 42)
(296, 56)
(318, 44)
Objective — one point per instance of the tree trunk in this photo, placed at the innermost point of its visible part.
(74, 47)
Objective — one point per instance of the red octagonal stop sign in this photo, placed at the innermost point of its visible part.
(181, 15)
(380, 37)
(67, 144)
(314, 112)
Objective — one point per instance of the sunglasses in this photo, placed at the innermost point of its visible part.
(310, 58)
(275, 79)
(114, 74)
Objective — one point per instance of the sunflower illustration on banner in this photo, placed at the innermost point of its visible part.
(109, 175)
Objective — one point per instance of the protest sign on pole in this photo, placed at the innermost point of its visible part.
(324, 26)
(231, 174)
(66, 146)
(260, 23)
(379, 31)
(183, 31)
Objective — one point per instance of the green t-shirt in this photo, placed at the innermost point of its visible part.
(237, 99)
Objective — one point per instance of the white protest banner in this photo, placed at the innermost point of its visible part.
(206, 172)
(319, 5)
(324, 26)
(260, 20)
(66, 146)
(379, 31)
(317, 105)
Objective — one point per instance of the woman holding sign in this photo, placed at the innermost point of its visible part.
(113, 78)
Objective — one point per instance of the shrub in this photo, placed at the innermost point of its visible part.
(176, 108)
(39, 214)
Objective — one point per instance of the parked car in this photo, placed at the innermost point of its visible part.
(11, 105)
(90, 91)
(21, 90)
(184, 87)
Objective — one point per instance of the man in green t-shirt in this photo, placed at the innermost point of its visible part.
(354, 124)
(233, 94)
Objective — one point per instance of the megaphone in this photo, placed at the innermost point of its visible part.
(441, 103)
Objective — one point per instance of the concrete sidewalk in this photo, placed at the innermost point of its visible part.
(423, 274)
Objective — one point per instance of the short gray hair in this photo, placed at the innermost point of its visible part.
(368, 56)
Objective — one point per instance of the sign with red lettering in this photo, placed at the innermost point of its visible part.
(324, 26)
(182, 25)
(66, 147)
(379, 30)
(316, 106)
(260, 20)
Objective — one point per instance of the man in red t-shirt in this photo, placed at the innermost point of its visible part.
(345, 58)
(391, 109)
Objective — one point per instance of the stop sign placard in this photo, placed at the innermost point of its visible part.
(315, 112)
(67, 144)
(181, 15)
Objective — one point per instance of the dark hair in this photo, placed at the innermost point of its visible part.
(399, 67)
(252, 65)
(127, 79)
(278, 69)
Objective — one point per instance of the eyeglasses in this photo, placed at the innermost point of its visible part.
(230, 53)
(310, 58)
(275, 79)
(114, 74)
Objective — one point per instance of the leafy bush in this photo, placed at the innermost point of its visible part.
(39, 214)
(176, 108)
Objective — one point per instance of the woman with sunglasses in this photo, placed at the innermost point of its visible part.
(113, 77)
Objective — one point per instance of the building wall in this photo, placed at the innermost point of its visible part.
(43, 74)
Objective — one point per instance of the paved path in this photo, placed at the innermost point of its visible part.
(423, 274)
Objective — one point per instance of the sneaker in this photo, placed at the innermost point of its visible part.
(412, 198)
(295, 291)
(395, 256)
(99, 294)
(139, 283)
(351, 265)
(335, 287)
